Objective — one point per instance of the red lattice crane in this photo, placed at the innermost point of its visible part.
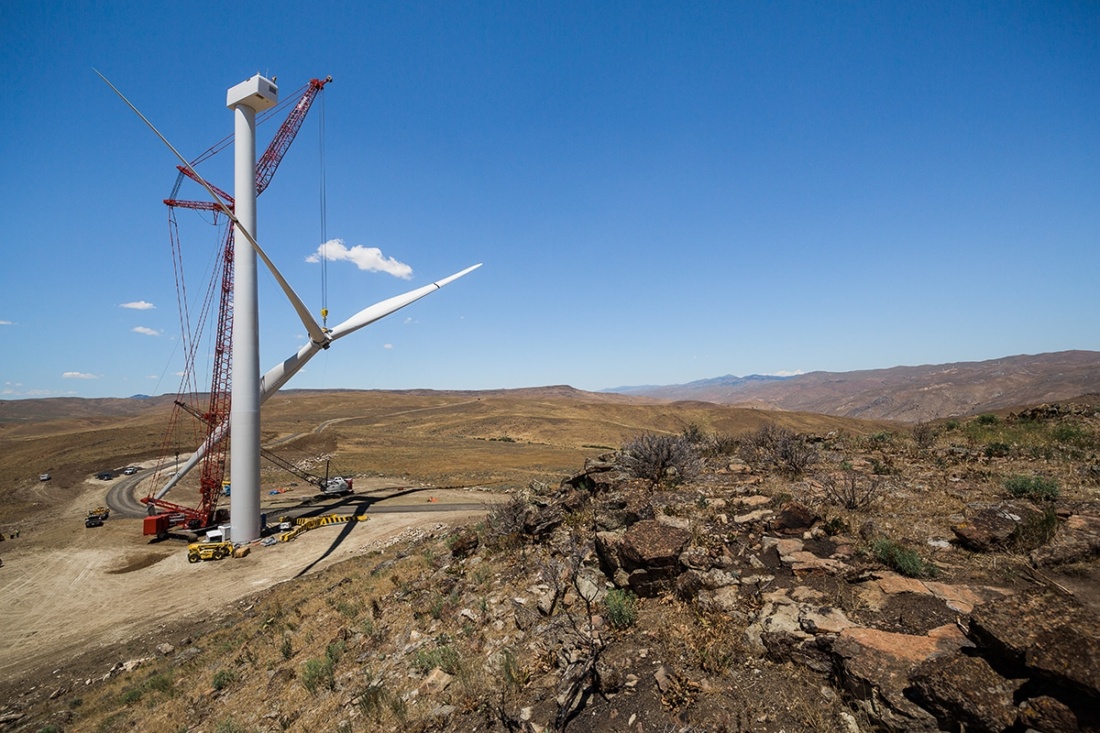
(163, 514)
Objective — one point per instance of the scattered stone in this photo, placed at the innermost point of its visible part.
(794, 518)
(1046, 632)
(1048, 715)
(891, 583)
(824, 621)
(651, 552)
(436, 682)
(464, 544)
(754, 516)
(959, 598)
(751, 501)
(166, 649)
(874, 667)
(1078, 540)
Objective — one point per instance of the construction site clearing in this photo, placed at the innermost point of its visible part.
(48, 559)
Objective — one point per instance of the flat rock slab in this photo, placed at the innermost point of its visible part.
(875, 667)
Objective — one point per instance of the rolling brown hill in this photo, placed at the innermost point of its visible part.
(905, 393)
(500, 437)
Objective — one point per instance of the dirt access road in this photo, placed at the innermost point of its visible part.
(66, 590)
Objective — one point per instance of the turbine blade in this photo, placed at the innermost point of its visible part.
(316, 333)
(384, 308)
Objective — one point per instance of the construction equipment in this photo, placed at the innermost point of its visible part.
(208, 551)
(165, 515)
(96, 516)
(336, 486)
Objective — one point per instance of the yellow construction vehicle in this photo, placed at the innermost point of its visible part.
(208, 551)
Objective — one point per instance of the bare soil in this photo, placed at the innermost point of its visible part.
(68, 590)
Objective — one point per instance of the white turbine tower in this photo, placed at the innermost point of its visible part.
(249, 390)
(246, 99)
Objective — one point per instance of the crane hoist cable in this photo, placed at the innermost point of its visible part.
(324, 221)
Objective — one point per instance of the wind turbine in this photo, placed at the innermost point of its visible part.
(249, 389)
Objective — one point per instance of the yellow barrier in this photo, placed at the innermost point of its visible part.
(304, 524)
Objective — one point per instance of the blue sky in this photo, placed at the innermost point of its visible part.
(660, 192)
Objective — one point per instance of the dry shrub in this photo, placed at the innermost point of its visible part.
(503, 528)
(779, 448)
(852, 490)
(670, 459)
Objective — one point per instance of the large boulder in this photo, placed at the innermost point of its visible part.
(995, 526)
(793, 518)
(964, 692)
(1047, 634)
(650, 553)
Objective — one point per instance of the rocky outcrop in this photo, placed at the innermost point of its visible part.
(874, 666)
(1046, 636)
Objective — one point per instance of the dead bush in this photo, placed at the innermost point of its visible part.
(668, 459)
(503, 528)
(778, 448)
(924, 434)
(851, 489)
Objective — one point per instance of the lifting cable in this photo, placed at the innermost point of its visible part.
(324, 223)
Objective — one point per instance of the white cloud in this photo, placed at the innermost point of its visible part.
(6, 323)
(144, 330)
(78, 375)
(388, 346)
(138, 305)
(370, 259)
(795, 373)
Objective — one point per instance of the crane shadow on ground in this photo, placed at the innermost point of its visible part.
(360, 505)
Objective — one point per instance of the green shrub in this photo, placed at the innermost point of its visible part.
(131, 695)
(902, 559)
(1036, 488)
(924, 435)
(515, 676)
(286, 647)
(986, 419)
(445, 657)
(372, 701)
(224, 678)
(319, 674)
(622, 608)
(230, 726)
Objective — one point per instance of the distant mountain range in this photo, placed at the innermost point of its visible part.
(905, 393)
